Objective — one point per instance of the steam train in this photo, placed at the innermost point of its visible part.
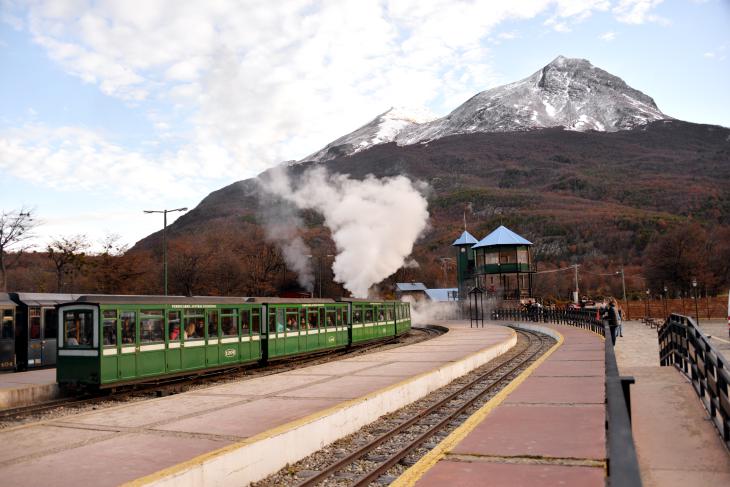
(110, 341)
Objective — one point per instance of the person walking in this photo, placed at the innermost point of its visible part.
(613, 319)
(620, 329)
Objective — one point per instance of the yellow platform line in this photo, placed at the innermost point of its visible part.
(413, 474)
(203, 458)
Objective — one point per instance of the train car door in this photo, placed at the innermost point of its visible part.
(49, 335)
(7, 333)
(34, 336)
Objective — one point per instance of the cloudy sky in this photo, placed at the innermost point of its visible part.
(111, 107)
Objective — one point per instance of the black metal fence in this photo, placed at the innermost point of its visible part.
(682, 344)
(581, 318)
(623, 466)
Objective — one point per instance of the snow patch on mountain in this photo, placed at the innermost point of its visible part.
(571, 93)
(383, 129)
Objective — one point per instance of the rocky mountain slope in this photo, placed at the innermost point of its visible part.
(571, 93)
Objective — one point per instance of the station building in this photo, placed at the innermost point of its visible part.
(499, 265)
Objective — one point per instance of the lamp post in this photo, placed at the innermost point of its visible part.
(665, 302)
(648, 311)
(164, 240)
(694, 289)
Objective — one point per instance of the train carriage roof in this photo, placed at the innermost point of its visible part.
(138, 299)
(361, 300)
(43, 299)
(5, 300)
(272, 300)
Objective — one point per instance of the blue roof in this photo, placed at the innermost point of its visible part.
(502, 236)
(443, 294)
(410, 286)
(465, 239)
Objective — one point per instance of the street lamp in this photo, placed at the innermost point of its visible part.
(164, 240)
(648, 310)
(694, 288)
(665, 302)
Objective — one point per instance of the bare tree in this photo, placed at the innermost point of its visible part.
(15, 227)
(68, 256)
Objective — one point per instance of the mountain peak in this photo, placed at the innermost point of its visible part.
(567, 92)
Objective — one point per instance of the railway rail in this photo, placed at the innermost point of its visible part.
(399, 441)
(179, 384)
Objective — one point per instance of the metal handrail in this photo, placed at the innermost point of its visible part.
(682, 344)
(623, 465)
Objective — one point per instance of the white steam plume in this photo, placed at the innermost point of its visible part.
(374, 222)
(281, 226)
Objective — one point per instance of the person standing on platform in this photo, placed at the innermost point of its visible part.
(613, 319)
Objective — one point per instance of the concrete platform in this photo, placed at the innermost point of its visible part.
(676, 443)
(547, 428)
(239, 432)
(23, 388)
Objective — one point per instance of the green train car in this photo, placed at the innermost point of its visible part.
(110, 341)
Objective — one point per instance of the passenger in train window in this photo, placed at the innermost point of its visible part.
(110, 335)
(313, 321)
(190, 330)
(174, 331)
(127, 330)
(200, 328)
(291, 324)
(229, 326)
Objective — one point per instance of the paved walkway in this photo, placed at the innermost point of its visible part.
(676, 443)
(234, 433)
(546, 431)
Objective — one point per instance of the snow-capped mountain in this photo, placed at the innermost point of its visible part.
(381, 130)
(567, 92)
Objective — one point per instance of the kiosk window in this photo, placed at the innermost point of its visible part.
(109, 332)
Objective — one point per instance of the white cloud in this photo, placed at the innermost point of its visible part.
(637, 11)
(261, 82)
(608, 36)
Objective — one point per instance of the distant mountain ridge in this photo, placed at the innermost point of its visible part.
(571, 93)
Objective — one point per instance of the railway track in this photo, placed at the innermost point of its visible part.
(176, 385)
(399, 442)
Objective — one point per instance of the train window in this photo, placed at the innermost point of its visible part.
(8, 324)
(245, 322)
(322, 321)
(331, 318)
(292, 319)
(389, 313)
(34, 323)
(109, 332)
(50, 324)
(78, 328)
(151, 326)
(339, 316)
(280, 319)
(173, 325)
(368, 315)
(213, 324)
(255, 321)
(381, 313)
(357, 315)
(313, 323)
(272, 321)
(228, 326)
(303, 318)
(194, 328)
(128, 319)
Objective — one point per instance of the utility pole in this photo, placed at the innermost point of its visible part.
(164, 240)
(576, 295)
